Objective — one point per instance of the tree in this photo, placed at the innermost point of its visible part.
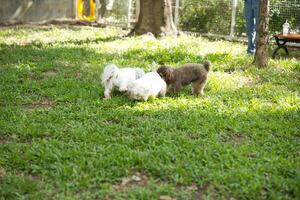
(155, 17)
(261, 54)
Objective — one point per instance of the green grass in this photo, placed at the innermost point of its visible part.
(60, 140)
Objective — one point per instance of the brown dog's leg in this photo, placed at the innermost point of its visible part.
(198, 86)
(175, 87)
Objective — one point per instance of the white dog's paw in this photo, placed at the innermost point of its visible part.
(106, 98)
(145, 98)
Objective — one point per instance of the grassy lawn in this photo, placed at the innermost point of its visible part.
(60, 140)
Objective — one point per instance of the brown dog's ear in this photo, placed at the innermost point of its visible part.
(160, 71)
(166, 73)
(169, 75)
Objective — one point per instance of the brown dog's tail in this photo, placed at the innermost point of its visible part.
(207, 65)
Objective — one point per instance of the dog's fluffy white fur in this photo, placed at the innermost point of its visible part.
(113, 76)
(150, 85)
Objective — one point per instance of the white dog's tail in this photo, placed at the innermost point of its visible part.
(109, 72)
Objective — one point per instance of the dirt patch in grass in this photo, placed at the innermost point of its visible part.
(21, 174)
(194, 135)
(7, 138)
(204, 191)
(207, 191)
(238, 137)
(45, 102)
(233, 137)
(50, 73)
(2, 172)
(141, 179)
(14, 138)
(79, 75)
(166, 197)
(109, 122)
(28, 176)
(138, 179)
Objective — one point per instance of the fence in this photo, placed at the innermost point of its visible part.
(222, 17)
(226, 17)
(18, 11)
(285, 10)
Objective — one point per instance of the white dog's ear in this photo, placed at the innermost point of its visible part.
(108, 72)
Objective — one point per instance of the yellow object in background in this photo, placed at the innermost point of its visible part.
(91, 16)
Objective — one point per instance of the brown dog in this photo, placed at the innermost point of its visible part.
(177, 78)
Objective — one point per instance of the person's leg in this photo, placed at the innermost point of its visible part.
(103, 8)
(250, 26)
(256, 6)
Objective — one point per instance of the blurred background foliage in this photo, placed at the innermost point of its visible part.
(214, 16)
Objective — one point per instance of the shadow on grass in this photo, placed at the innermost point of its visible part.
(89, 41)
(37, 54)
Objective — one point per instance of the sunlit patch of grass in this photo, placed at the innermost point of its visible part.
(229, 81)
(60, 139)
(54, 34)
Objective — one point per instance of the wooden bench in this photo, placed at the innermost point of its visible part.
(283, 41)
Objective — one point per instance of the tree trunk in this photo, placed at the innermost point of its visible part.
(261, 54)
(155, 17)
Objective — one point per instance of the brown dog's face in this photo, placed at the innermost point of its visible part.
(166, 73)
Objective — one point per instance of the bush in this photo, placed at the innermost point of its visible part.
(215, 16)
(204, 16)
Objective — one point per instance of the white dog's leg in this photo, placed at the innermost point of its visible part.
(163, 92)
(145, 98)
(107, 94)
(108, 88)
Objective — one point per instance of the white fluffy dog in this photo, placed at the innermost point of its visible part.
(150, 85)
(113, 76)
